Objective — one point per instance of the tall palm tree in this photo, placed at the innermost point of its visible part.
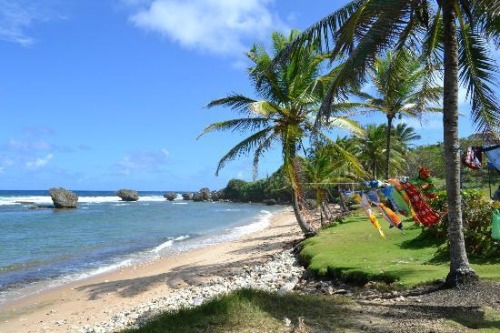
(454, 31)
(371, 151)
(401, 88)
(291, 93)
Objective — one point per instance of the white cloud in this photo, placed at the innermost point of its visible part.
(27, 146)
(17, 17)
(39, 162)
(216, 26)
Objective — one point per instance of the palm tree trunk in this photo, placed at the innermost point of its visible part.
(342, 200)
(304, 226)
(460, 270)
(390, 117)
(289, 166)
(325, 211)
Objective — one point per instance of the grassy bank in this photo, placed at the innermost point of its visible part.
(353, 251)
(255, 311)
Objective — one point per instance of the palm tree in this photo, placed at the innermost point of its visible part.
(291, 93)
(371, 151)
(405, 134)
(327, 164)
(454, 31)
(400, 83)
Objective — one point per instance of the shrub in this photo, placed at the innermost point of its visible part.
(477, 213)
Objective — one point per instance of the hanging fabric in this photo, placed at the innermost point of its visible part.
(493, 154)
(400, 198)
(425, 183)
(495, 224)
(423, 211)
(387, 213)
(471, 158)
(365, 203)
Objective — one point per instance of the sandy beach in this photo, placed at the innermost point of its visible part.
(94, 300)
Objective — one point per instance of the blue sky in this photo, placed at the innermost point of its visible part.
(102, 95)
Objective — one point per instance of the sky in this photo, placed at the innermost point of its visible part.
(110, 94)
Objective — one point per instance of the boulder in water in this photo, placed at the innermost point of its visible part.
(63, 198)
(187, 196)
(170, 196)
(128, 195)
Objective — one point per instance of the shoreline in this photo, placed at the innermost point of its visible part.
(162, 251)
(95, 299)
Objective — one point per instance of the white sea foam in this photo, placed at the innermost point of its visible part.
(262, 222)
(168, 243)
(101, 270)
(47, 200)
(19, 200)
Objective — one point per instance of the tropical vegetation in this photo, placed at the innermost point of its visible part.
(291, 93)
(456, 33)
(402, 88)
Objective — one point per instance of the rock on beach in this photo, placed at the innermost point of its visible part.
(279, 275)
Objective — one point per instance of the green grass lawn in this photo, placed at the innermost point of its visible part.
(354, 251)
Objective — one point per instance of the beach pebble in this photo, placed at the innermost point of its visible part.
(279, 275)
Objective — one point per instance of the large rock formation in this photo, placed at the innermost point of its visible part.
(170, 196)
(187, 196)
(203, 195)
(63, 198)
(128, 195)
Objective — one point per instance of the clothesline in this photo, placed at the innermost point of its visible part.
(330, 183)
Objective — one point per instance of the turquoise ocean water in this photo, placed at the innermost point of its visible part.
(42, 248)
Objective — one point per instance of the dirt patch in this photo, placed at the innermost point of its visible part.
(426, 309)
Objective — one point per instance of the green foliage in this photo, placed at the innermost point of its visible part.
(476, 214)
(275, 187)
(429, 156)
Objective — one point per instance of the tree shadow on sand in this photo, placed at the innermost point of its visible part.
(184, 275)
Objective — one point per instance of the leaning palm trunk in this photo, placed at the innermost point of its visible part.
(326, 213)
(291, 170)
(304, 226)
(460, 270)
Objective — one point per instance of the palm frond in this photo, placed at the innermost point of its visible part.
(346, 124)
(353, 162)
(243, 124)
(236, 102)
(244, 147)
(477, 70)
(261, 149)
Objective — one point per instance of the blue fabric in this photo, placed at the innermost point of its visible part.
(494, 157)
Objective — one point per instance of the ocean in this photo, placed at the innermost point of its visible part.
(46, 247)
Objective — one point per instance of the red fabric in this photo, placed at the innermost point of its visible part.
(424, 212)
(472, 158)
